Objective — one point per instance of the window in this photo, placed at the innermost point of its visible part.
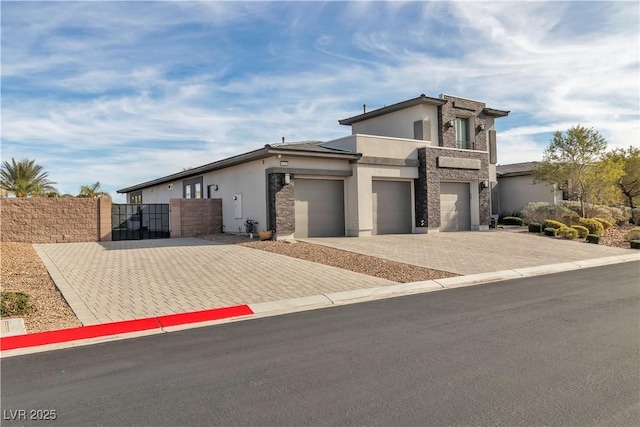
(135, 198)
(192, 188)
(463, 139)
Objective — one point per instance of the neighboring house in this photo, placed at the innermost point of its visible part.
(517, 187)
(421, 165)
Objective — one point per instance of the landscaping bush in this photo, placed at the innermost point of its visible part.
(550, 231)
(550, 223)
(635, 216)
(535, 227)
(615, 215)
(512, 220)
(592, 225)
(582, 231)
(593, 238)
(14, 304)
(635, 244)
(606, 224)
(620, 215)
(568, 233)
(539, 211)
(633, 234)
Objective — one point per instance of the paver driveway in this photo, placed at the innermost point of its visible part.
(473, 251)
(112, 281)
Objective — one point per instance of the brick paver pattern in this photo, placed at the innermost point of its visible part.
(472, 252)
(113, 281)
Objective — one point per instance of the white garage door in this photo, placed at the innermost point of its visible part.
(455, 213)
(319, 205)
(391, 207)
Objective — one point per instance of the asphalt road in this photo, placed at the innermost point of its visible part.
(561, 349)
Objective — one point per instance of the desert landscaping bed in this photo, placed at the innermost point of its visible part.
(23, 271)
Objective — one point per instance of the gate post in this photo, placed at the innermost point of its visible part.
(175, 220)
(104, 219)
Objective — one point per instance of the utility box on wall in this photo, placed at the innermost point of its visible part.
(237, 206)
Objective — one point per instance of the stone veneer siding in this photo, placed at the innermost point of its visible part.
(460, 107)
(435, 175)
(420, 189)
(282, 208)
(55, 220)
(194, 217)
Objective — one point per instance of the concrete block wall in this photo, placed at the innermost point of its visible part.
(55, 220)
(194, 217)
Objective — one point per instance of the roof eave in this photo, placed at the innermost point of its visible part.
(261, 153)
(495, 113)
(422, 99)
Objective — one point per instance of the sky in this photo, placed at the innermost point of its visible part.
(126, 92)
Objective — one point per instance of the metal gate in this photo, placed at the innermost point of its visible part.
(140, 221)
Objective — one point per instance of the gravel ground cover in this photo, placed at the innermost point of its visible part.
(373, 266)
(22, 270)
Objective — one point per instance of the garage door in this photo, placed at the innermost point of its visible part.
(454, 206)
(391, 207)
(319, 207)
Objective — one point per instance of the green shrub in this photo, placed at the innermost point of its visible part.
(512, 220)
(568, 233)
(551, 223)
(582, 231)
(14, 304)
(606, 224)
(593, 238)
(535, 227)
(550, 231)
(635, 244)
(592, 225)
(635, 216)
(633, 234)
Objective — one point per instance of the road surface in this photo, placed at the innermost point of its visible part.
(561, 349)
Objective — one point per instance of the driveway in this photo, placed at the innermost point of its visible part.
(113, 281)
(473, 251)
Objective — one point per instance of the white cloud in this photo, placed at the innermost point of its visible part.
(131, 80)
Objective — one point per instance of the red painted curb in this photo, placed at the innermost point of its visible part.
(114, 328)
(204, 315)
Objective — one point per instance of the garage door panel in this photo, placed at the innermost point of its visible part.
(319, 208)
(391, 207)
(455, 213)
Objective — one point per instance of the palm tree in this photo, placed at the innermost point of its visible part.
(25, 178)
(93, 191)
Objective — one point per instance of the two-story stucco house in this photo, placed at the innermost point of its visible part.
(421, 165)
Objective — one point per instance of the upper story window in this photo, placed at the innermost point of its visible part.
(463, 136)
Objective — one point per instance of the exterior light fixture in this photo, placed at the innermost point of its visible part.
(287, 179)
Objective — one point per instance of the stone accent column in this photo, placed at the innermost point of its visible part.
(282, 209)
(420, 187)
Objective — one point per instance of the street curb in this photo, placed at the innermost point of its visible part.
(119, 328)
(44, 341)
